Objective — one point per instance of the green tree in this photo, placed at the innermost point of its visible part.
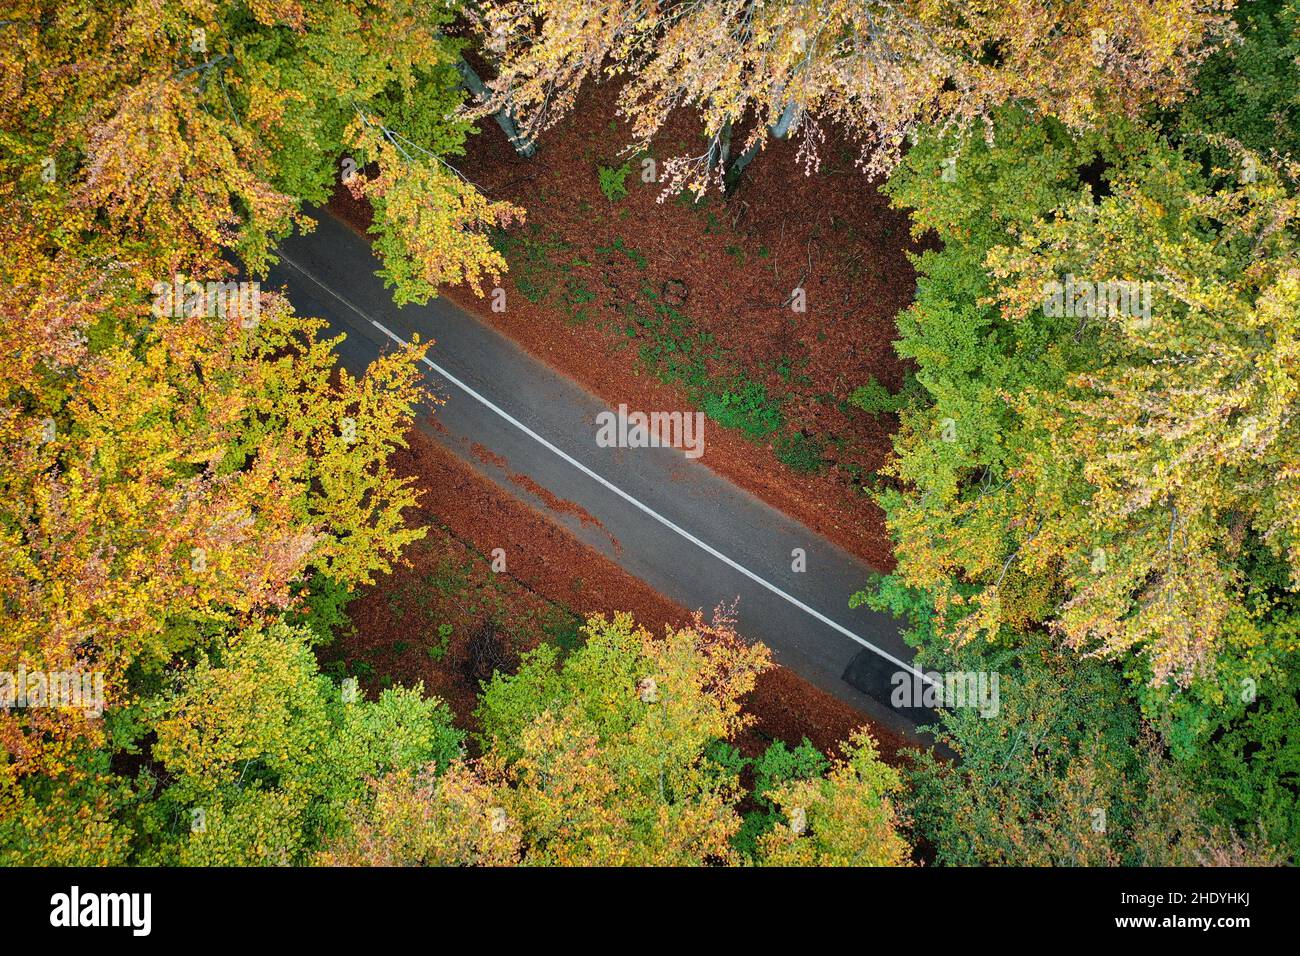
(777, 766)
(263, 757)
(1064, 775)
(846, 818)
(602, 755)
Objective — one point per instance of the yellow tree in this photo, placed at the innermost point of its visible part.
(179, 470)
(431, 222)
(428, 819)
(173, 467)
(601, 759)
(1174, 453)
(881, 70)
(175, 134)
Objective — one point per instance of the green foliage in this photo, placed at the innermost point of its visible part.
(1249, 758)
(746, 405)
(1062, 775)
(804, 453)
(601, 679)
(618, 245)
(613, 180)
(536, 262)
(1028, 443)
(1021, 460)
(1117, 457)
(76, 818)
(438, 649)
(998, 522)
(563, 628)
(324, 608)
(672, 345)
(777, 766)
(608, 747)
(576, 298)
(1029, 778)
(510, 702)
(847, 817)
(874, 398)
(264, 751)
(956, 445)
(1251, 90)
(681, 354)
(427, 111)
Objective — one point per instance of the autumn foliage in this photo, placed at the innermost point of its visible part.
(1098, 503)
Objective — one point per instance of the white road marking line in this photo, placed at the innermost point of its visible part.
(667, 523)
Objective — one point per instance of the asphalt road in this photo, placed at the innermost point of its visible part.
(687, 532)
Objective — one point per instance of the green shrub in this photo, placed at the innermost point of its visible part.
(613, 181)
(874, 398)
(438, 650)
(563, 628)
(618, 245)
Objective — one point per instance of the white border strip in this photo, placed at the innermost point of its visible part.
(619, 491)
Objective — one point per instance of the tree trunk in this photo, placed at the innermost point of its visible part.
(782, 126)
(724, 147)
(475, 85)
(779, 129)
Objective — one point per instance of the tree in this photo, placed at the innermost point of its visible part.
(180, 452)
(617, 755)
(882, 71)
(167, 473)
(959, 445)
(1049, 452)
(1173, 828)
(263, 756)
(1064, 775)
(776, 767)
(430, 221)
(72, 815)
(1251, 90)
(847, 818)
(602, 756)
(598, 759)
(428, 819)
(1175, 449)
(1107, 463)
